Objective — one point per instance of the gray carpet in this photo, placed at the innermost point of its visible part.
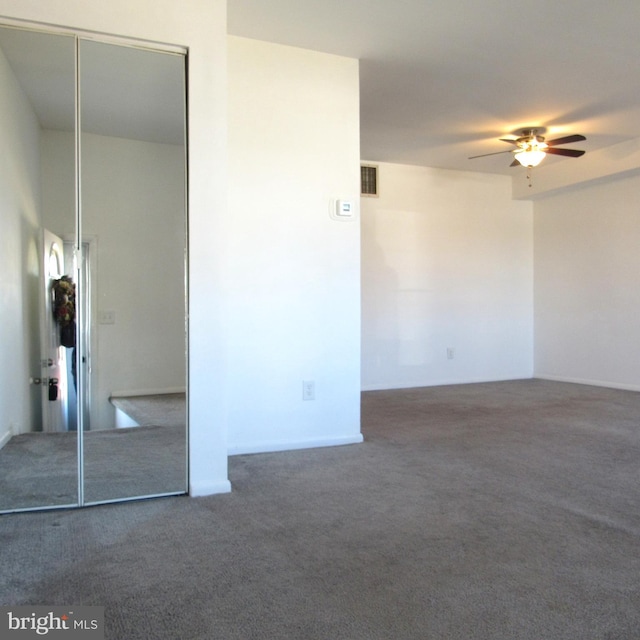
(40, 468)
(501, 511)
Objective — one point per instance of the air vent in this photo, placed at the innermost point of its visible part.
(368, 180)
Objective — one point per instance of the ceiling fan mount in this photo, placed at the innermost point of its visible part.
(523, 131)
(526, 137)
(532, 147)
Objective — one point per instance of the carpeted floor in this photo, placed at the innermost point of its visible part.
(499, 511)
(40, 468)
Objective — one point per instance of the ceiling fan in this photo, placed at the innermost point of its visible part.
(531, 148)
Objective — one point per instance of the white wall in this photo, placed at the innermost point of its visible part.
(587, 285)
(200, 26)
(19, 258)
(307, 327)
(137, 218)
(294, 295)
(447, 262)
(133, 212)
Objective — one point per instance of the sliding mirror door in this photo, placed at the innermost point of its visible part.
(92, 271)
(133, 228)
(38, 423)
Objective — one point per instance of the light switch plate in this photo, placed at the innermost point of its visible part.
(107, 317)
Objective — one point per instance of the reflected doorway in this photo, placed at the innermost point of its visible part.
(73, 401)
(58, 334)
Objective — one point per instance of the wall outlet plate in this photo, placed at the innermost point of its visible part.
(308, 390)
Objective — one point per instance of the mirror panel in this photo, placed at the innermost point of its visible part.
(133, 221)
(38, 437)
(113, 340)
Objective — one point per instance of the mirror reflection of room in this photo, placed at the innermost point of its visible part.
(93, 384)
(133, 215)
(38, 454)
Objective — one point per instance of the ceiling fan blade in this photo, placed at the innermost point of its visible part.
(515, 163)
(512, 141)
(572, 153)
(495, 153)
(566, 140)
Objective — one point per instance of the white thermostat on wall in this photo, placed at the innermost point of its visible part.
(343, 210)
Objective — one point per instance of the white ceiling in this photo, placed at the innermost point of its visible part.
(442, 80)
(125, 92)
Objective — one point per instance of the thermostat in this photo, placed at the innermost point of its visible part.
(343, 210)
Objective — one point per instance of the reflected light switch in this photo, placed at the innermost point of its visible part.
(107, 317)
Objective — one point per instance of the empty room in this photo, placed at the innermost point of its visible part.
(320, 320)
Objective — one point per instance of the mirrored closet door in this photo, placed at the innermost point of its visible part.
(93, 271)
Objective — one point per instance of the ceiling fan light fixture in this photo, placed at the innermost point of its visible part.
(531, 148)
(530, 157)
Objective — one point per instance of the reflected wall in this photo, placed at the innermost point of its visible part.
(34, 471)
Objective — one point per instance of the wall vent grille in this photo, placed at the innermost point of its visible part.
(368, 180)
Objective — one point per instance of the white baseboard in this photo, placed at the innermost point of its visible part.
(127, 393)
(438, 383)
(124, 421)
(594, 383)
(539, 376)
(289, 445)
(5, 437)
(208, 489)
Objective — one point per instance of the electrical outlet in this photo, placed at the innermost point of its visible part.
(308, 390)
